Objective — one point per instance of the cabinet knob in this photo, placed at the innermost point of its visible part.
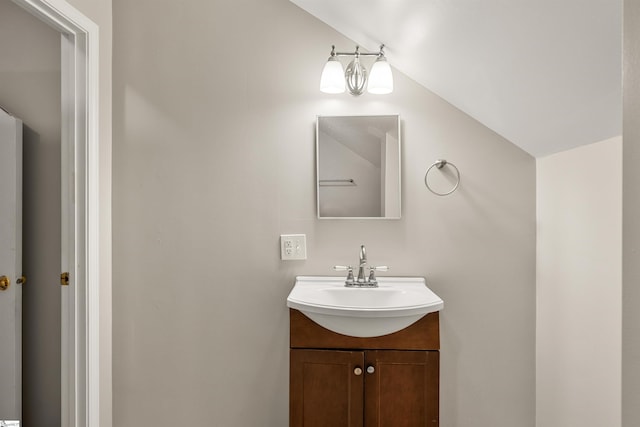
(357, 371)
(370, 369)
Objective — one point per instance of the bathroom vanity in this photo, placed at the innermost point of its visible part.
(338, 380)
(364, 352)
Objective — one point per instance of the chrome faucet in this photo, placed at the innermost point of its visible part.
(362, 280)
(363, 263)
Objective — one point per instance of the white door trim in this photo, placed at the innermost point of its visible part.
(80, 205)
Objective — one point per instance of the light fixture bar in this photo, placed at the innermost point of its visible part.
(357, 52)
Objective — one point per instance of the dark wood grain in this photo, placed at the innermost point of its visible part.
(324, 390)
(422, 335)
(403, 389)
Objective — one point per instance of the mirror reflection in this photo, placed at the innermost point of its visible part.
(358, 166)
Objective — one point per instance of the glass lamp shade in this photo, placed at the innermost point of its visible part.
(380, 78)
(332, 79)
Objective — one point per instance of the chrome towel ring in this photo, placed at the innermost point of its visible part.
(439, 164)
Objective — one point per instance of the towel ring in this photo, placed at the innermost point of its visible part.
(439, 164)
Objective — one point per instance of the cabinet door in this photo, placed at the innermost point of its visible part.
(326, 388)
(401, 388)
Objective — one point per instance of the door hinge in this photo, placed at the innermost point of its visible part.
(64, 279)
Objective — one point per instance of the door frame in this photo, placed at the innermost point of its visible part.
(80, 367)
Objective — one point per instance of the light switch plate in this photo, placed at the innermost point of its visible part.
(293, 247)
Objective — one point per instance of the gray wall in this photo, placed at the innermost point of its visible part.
(30, 89)
(631, 218)
(214, 109)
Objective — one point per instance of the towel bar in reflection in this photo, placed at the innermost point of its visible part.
(337, 182)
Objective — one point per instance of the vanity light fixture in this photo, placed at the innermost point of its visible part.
(334, 79)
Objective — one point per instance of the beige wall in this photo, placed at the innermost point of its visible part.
(579, 286)
(631, 215)
(214, 110)
(30, 89)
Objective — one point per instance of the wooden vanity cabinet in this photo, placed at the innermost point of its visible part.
(341, 381)
(324, 390)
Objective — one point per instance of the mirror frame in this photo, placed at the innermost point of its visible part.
(317, 153)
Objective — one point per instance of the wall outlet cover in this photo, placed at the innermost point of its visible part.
(293, 247)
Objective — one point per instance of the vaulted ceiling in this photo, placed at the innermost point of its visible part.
(545, 74)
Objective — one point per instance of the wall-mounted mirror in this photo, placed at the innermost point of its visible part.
(358, 166)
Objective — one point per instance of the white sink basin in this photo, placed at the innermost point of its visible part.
(396, 303)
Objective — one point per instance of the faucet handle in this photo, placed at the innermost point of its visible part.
(372, 273)
(349, 281)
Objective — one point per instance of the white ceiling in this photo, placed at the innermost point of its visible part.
(545, 74)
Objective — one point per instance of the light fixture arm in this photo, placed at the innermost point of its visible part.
(357, 52)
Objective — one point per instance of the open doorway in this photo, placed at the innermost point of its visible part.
(78, 210)
(30, 89)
